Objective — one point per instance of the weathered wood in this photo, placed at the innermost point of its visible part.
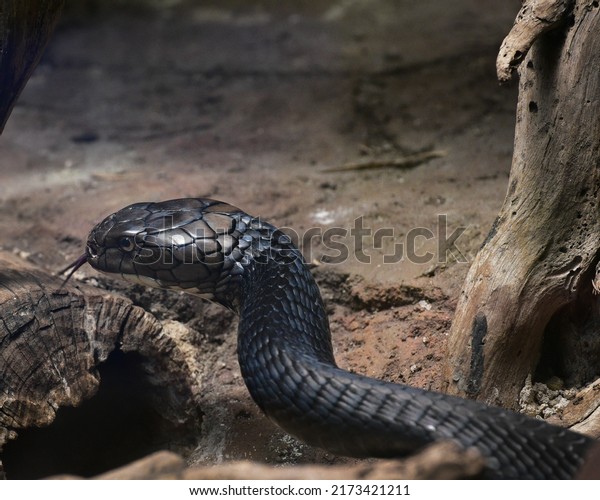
(25, 28)
(534, 18)
(439, 461)
(531, 282)
(53, 341)
(583, 416)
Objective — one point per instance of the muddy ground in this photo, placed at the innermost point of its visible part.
(251, 103)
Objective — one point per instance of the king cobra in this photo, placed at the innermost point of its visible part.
(214, 250)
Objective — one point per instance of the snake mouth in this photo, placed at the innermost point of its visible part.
(74, 266)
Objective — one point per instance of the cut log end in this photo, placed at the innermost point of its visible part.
(82, 369)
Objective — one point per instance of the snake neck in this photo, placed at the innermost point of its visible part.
(281, 308)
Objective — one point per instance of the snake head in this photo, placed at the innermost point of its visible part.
(200, 246)
(194, 245)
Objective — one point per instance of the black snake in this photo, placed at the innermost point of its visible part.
(217, 251)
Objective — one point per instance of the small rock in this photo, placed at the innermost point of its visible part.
(423, 304)
(415, 368)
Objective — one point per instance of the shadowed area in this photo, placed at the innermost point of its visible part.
(119, 424)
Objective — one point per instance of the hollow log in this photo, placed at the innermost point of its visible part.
(54, 345)
(25, 28)
(527, 306)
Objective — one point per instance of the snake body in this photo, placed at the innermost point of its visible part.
(219, 252)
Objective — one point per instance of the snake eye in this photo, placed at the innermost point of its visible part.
(126, 244)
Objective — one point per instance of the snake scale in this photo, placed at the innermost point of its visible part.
(214, 250)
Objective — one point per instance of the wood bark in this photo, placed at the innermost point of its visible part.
(53, 342)
(527, 304)
(25, 28)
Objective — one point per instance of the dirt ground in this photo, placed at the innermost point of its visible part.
(251, 103)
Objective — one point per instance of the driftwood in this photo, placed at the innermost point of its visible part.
(535, 18)
(25, 28)
(528, 306)
(439, 461)
(54, 343)
(583, 415)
